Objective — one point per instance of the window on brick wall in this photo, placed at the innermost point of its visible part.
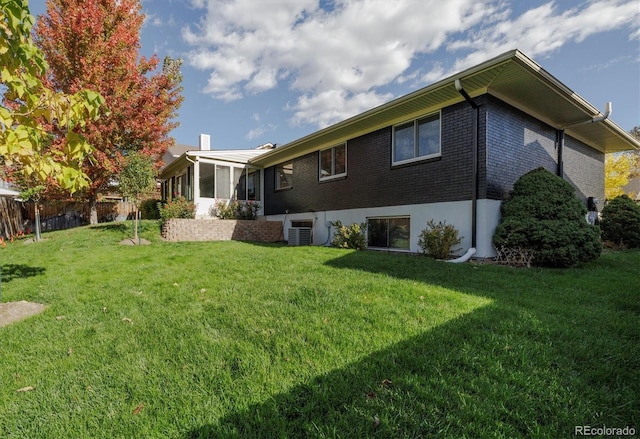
(416, 140)
(333, 162)
(284, 175)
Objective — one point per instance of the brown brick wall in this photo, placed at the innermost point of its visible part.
(178, 229)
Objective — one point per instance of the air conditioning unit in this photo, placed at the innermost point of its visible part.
(300, 236)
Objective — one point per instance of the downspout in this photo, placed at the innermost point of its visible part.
(193, 182)
(560, 139)
(474, 184)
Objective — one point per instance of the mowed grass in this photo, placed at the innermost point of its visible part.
(231, 339)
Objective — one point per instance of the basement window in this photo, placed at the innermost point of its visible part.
(389, 233)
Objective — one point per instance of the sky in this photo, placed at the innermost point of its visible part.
(258, 71)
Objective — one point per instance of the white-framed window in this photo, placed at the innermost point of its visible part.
(284, 175)
(416, 140)
(391, 233)
(246, 183)
(333, 162)
(224, 181)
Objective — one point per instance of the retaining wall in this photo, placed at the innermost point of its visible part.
(179, 229)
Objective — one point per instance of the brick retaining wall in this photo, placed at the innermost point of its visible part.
(179, 229)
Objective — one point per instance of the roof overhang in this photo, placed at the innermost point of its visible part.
(512, 77)
(5, 192)
(236, 156)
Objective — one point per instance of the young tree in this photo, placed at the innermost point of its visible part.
(96, 43)
(30, 108)
(137, 181)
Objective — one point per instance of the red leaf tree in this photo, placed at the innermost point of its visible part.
(95, 44)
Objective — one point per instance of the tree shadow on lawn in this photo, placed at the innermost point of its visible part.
(513, 368)
(18, 271)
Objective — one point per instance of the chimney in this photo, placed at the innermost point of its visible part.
(205, 142)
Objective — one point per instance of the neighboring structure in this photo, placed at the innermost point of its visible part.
(449, 152)
(7, 190)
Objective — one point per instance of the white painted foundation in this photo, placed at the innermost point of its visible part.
(456, 213)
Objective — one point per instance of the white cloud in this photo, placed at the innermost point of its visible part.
(539, 32)
(328, 107)
(337, 58)
(260, 131)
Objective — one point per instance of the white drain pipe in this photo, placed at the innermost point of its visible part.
(465, 257)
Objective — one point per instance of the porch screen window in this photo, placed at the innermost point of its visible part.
(389, 233)
(333, 162)
(253, 185)
(284, 175)
(240, 184)
(223, 180)
(207, 172)
(416, 140)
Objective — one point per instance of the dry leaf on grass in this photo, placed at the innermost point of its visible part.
(128, 320)
(26, 389)
(138, 409)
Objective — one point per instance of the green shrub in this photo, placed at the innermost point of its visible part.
(542, 215)
(176, 208)
(149, 209)
(621, 222)
(246, 210)
(353, 236)
(438, 240)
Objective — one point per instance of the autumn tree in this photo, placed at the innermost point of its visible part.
(96, 44)
(30, 110)
(618, 168)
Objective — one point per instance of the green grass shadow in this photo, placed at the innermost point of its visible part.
(9, 272)
(536, 362)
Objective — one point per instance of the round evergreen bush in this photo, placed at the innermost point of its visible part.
(543, 216)
(621, 222)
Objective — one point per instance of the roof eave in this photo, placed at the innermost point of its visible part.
(486, 77)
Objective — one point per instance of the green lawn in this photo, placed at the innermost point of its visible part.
(230, 339)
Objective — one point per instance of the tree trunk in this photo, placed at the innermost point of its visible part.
(93, 210)
(36, 207)
(135, 225)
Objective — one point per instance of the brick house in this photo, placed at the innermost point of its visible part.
(450, 152)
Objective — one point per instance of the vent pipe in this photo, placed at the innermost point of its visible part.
(205, 142)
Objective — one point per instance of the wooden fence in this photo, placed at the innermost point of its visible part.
(17, 217)
(11, 217)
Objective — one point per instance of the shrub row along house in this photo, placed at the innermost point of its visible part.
(449, 152)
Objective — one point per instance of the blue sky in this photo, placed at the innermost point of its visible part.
(258, 71)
